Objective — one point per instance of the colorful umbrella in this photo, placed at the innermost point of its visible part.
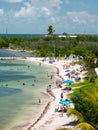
(67, 70)
(64, 102)
(68, 81)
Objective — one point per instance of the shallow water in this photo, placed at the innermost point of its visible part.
(21, 86)
(12, 53)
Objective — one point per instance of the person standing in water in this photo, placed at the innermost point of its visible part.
(49, 91)
(39, 101)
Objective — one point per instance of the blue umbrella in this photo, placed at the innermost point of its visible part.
(64, 102)
(51, 60)
(68, 81)
(67, 70)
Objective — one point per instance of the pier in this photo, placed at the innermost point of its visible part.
(10, 58)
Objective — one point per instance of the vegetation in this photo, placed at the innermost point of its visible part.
(85, 98)
(50, 30)
(55, 46)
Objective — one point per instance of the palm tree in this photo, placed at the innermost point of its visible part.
(50, 30)
(76, 114)
(84, 126)
(79, 120)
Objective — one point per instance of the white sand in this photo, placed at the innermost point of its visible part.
(52, 120)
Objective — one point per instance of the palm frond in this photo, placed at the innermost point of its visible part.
(84, 126)
(63, 129)
(75, 113)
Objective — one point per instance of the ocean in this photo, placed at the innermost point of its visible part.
(12, 53)
(21, 86)
(22, 35)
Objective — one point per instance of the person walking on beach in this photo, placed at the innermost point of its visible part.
(49, 91)
(61, 96)
(62, 110)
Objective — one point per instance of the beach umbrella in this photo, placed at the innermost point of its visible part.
(59, 81)
(64, 102)
(67, 70)
(67, 88)
(68, 81)
(52, 59)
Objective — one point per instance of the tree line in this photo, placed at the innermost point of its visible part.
(55, 46)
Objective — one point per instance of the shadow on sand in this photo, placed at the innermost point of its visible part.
(72, 123)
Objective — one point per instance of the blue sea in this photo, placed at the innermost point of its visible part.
(21, 86)
(22, 35)
(12, 53)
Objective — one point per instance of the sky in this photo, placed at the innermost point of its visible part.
(34, 16)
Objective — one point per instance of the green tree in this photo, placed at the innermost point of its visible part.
(77, 50)
(80, 120)
(50, 30)
(77, 114)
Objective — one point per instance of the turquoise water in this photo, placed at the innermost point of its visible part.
(12, 53)
(21, 86)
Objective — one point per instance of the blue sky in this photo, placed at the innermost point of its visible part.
(34, 16)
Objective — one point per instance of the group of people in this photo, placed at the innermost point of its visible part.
(60, 108)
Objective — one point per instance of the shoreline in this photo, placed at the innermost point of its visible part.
(46, 107)
(45, 113)
(47, 119)
(23, 124)
(41, 115)
(32, 122)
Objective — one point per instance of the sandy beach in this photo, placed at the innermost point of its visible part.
(48, 118)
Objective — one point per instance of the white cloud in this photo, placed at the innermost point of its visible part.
(39, 8)
(25, 12)
(79, 20)
(81, 17)
(32, 14)
(45, 11)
